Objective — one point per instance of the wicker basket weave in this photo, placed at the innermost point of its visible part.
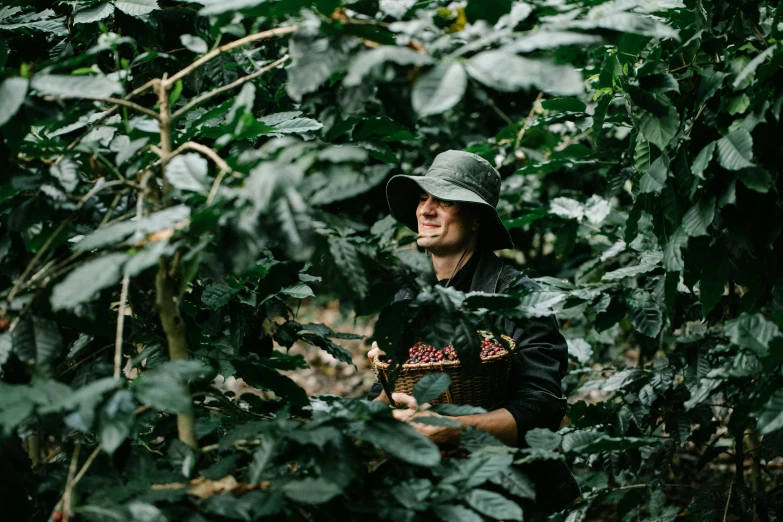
(486, 388)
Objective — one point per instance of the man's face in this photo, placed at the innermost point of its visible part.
(444, 226)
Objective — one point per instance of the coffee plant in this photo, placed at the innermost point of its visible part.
(177, 176)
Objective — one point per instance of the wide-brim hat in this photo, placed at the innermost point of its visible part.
(454, 175)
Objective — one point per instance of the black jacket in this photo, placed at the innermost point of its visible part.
(535, 397)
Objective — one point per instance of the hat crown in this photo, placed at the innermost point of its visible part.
(468, 170)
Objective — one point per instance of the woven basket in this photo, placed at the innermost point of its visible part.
(486, 388)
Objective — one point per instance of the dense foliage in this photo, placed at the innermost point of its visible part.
(177, 176)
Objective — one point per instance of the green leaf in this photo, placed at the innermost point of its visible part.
(430, 387)
(217, 295)
(648, 262)
(343, 182)
(703, 159)
(699, 217)
(163, 391)
(599, 116)
(543, 438)
(735, 150)
(136, 8)
(659, 83)
(456, 410)
(754, 64)
(37, 340)
(439, 89)
(312, 490)
(346, 259)
(215, 7)
(550, 40)
(84, 283)
(188, 172)
(644, 314)
(752, 331)
(564, 105)
(363, 63)
(402, 441)
(738, 104)
(298, 291)
(755, 178)
(313, 58)
(75, 86)
(296, 126)
(456, 513)
(660, 130)
(92, 13)
(626, 23)
(194, 44)
(12, 95)
(493, 505)
(66, 172)
(672, 254)
(654, 180)
(262, 456)
(770, 418)
(114, 233)
(490, 301)
(515, 483)
(711, 83)
(116, 420)
(507, 72)
(641, 156)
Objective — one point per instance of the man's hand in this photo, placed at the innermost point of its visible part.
(375, 350)
(437, 434)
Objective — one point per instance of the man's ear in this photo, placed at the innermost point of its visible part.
(476, 224)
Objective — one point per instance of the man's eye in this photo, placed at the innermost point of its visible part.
(447, 203)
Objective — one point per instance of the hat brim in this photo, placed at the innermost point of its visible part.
(402, 194)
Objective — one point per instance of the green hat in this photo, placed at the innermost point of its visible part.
(454, 175)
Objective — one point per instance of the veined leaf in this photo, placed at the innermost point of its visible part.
(660, 130)
(672, 253)
(194, 44)
(770, 418)
(92, 13)
(752, 331)
(12, 95)
(702, 160)
(430, 387)
(37, 340)
(366, 61)
(312, 490)
(456, 513)
(550, 40)
(346, 259)
(439, 89)
(136, 7)
(735, 150)
(117, 232)
(84, 282)
(654, 180)
(402, 441)
(188, 172)
(493, 505)
(506, 72)
(627, 23)
(754, 64)
(75, 86)
(699, 217)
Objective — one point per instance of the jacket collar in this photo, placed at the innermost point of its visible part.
(487, 275)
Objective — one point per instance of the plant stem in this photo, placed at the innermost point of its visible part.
(168, 310)
(114, 101)
(120, 326)
(204, 97)
(214, 53)
(728, 500)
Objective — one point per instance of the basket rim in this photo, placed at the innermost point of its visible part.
(380, 365)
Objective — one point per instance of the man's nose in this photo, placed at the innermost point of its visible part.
(427, 207)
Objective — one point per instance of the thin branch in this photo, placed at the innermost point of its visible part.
(35, 260)
(728, 500)
(65, 502)
(113, 101)
(204, 97)
(120, 326)
(228, 47)
(105, 117)
(206, 151)
(215, 186)
(527, 120)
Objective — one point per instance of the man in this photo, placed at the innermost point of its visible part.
(453, 210)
